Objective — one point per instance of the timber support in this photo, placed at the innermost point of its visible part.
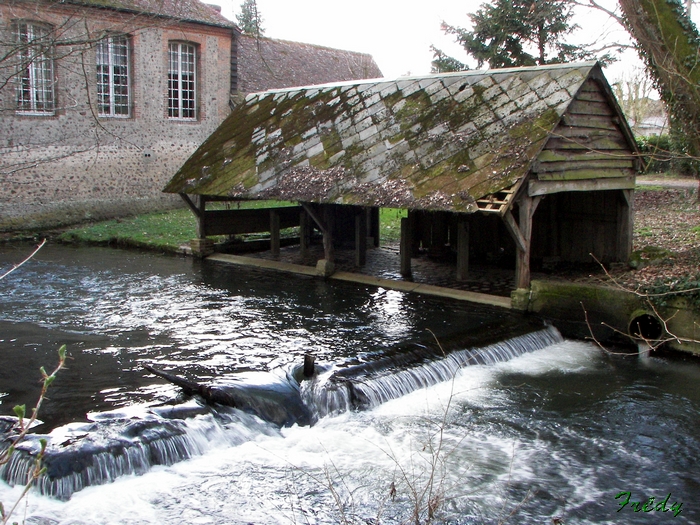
(522, 235)
(406, 247)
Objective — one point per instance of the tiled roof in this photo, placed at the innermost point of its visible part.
(184, 10)
(265, 64)
(438, 142)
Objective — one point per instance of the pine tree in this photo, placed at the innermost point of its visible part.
(250, 20)
(511, 33)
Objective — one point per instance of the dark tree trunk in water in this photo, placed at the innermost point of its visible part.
(271, 398)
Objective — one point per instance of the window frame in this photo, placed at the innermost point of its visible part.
(112, 64)
(182, 96)
(35, 77)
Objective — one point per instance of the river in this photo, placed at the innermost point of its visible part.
(567, 432)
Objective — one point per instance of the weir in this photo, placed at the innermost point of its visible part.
(118, 443)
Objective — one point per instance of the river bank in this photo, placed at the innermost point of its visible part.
(662, 279)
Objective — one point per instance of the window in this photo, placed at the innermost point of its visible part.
(113, 77)
(35, 79)
(182, 96)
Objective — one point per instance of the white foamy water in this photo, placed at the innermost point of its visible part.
(344, 465)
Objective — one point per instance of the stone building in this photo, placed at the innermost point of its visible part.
(102, 101)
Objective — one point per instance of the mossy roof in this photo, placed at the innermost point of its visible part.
(181, 10)
(437, 142)
(266, 63)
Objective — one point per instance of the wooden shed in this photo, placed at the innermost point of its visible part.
(527, 164)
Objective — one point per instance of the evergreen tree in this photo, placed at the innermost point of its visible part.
(511, 33)
(250, 20)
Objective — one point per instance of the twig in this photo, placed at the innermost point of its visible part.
(24, 261)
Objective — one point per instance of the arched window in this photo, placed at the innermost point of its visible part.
(35, 75)
(113, 77)
(182, 81)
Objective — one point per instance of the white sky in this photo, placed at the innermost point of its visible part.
(398, 33)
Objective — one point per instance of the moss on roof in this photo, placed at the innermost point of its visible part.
(183, 10)
(438, 142)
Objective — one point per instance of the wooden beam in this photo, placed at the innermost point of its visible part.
(540, 187)
(191, 205)
(462, 248)
(583, 163)
(609, 173)
(406, 247)
(625, 225)
(329, 220)
(202, 219)
(304, 233)
(514, 230)
(522, 234)
(374, 226)
(275, 233)
(253, 220)
(312, 213)
(361, 237)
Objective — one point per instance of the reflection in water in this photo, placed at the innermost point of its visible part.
(554, 433)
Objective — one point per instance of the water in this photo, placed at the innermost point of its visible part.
(557, 432)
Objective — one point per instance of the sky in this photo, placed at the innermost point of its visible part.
(399, 33)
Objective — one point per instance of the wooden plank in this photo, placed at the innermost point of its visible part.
(586, 174)
(580, 156)
(582, 132)
(582, 165)
(234, 222)
(586, 143)
(582, 107)
(589, 121)
(539, 187)
(592, 96)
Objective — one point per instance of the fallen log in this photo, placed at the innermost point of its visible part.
(270, 397)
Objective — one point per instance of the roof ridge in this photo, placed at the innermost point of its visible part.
(467, 73)
(297, 43)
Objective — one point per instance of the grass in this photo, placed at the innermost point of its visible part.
(165, 231)
(168, 231)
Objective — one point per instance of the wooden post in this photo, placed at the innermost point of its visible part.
(328, 219)
(527, 206)
(374, 225)
(304, 233)
(202, 217)
(625, 225)
(275, 233)
(361, 237)
(309, 368)
(462, 248)
(406, 247)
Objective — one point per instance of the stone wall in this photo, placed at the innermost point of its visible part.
(74, 166)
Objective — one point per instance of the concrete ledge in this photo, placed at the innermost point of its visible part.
(369, 280)
(266, 264)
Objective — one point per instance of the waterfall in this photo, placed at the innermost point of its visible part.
(132, 441)
(81, 455)
(369, 385)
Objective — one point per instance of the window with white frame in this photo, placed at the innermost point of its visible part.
(35, 75)
(113, 79)
(182, 81)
